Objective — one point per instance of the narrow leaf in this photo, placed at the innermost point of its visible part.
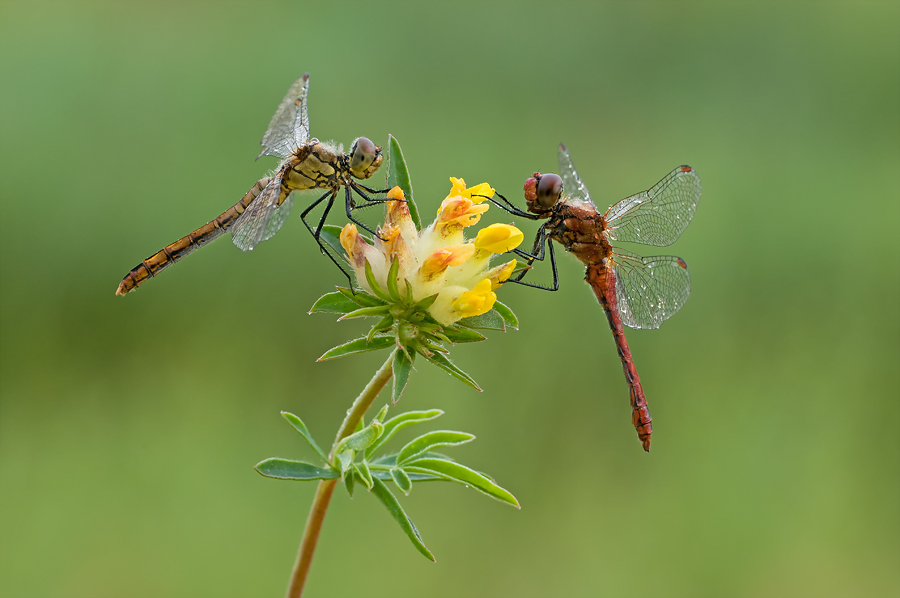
(393, 506)
(359, 441)
(349, 479)
(490, 321)
(385, 475)
(363, 470)
(331, 234)
(426, 302)
(382, 413)
(334, 303)
(285, 469)
(345, 460)
(461, 474)
(431, 440)
(358, 346)
(402, 368)
(398, 176)
(398, 422)
(366, 312)
(360, 297)
(442, 362)
(402, 480)
(507, 314)
(298, 425)
(462, 335)
(393, 287)
(370, 278)
(388, 461)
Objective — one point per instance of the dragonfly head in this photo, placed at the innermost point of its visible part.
(542, 192)
(365, 158)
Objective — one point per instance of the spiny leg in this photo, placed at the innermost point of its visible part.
(537, 253)
(330, 194)
(370, 201)
(350, 207)
(508, 206)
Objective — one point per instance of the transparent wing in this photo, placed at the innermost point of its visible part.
(252, 226)
(279, 217)
(289, 128)
(659, 215)
(649, 290)
(573, 188)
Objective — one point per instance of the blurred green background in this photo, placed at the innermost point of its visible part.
(129, 426)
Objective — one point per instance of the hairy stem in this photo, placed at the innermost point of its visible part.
(326, 487)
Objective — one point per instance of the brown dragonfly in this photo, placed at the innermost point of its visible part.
(639, 292)
(307, 164)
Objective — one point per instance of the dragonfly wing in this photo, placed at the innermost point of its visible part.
(573, 188)
(279, 216)
(289, 128)
(649, 290)
(659, 215)
(251, 227)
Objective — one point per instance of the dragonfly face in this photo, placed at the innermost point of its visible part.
(365, 158)
(543, 192)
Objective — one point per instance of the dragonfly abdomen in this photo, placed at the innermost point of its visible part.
(174, 252)
(603, 283)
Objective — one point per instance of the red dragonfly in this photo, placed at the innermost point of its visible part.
(639, 292)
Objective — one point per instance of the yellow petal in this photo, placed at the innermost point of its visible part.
(500, 274)
(445, 257)
(499, 238)
(480, 192)
(396, 193)
(479, 300)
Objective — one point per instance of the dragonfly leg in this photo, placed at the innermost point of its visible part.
(508, 206)
(372, 191)
(317, 233)
(537, 254)
(370, 201)
(350, 205)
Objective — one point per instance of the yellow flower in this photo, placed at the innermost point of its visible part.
(498, 238)
(441, 259)
(479, 300)
(500, 274)
(477, 194)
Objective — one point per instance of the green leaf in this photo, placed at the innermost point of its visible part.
(461, 474)
(359, 346)
(388, 461)
(366, 312)
(398, 422)
(398, 176)
(507, 314)
(349, 479)
(285, 469)
(490, 321)
(360, 297)
(345, 460)
(370, 278)
(363, 470)
(431, 440)
(331, 234)
(385, 475)
(463, 335)
(360, 441)
(393, 506)
(401, 479)
(425, 303)
(334, 303)
(402, 368)
(301, 428)
(440, 360)
(382, 413)
(393, 286)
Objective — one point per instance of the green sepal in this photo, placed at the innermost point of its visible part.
(298, 425)
(507, 314)
(455, 334)
(455, 472)
(409, 291)
(383, 325)
(425, 303)
(440, 360)
(402, 368)
(393, 506)
(360, 297)
(431, 440)
(366, 312)
(402, 480)
(490, 321)
(398, 176)
(331, 234)
(362, 469)
(334, 303)
(286, 469)
(360, 345)
(370, 278)
(393, 287)
(344, 460)
(360, 441)
(349, 481)
(398, 422)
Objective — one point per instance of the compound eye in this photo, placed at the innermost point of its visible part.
(362, 154)
(549, 188)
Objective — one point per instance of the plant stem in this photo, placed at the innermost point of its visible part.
(326, 487)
